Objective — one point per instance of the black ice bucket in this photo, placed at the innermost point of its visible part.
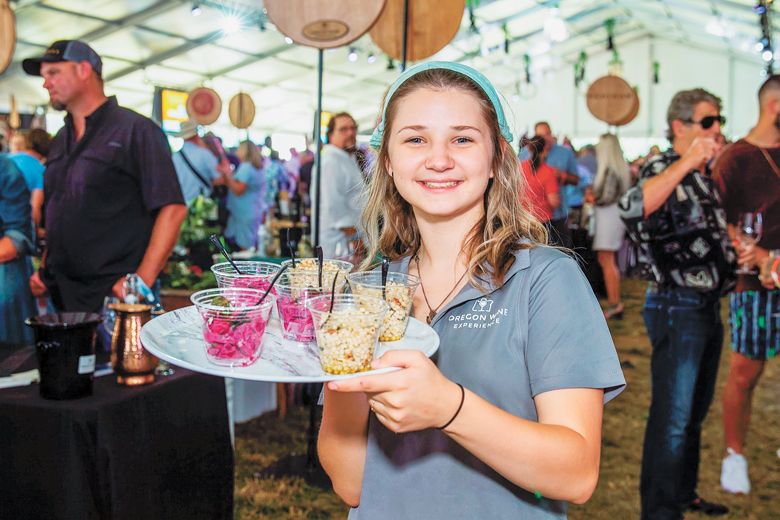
(65, 347)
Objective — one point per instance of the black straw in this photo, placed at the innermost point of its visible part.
(217, 242)
(320, 260)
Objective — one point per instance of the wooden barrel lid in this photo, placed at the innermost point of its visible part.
(631, 115)
(204, 105)
(323, 24)
(241, 110)
(611, 99)
(7, 35)
(432, 25)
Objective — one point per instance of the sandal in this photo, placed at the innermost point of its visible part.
(614, 312)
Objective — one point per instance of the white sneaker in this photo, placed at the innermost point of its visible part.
(734, 473)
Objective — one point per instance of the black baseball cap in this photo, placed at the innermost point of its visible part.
(64, 50)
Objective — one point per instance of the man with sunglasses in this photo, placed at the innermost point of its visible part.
(748, 178)
(675, 218)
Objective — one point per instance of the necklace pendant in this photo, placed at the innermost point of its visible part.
(429, 319)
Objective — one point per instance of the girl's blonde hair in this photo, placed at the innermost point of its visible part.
(251, 153)
(508, 224)
(609, 157)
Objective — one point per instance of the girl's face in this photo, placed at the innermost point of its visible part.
(440, 153)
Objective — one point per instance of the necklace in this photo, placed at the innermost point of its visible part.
(433, 310)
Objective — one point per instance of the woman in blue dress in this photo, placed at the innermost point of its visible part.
(245, 198)
(16, 245)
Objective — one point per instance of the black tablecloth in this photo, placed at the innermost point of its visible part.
(160, 451)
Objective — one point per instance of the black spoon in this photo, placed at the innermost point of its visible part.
(290, 247)
(273, 281)
(320, 260)
(217, 242)
(332, 298)
(385, 269)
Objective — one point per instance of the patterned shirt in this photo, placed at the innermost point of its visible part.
(685, 242)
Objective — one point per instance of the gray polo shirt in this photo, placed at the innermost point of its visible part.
(542, 330)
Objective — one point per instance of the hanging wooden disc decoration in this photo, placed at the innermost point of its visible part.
(241, 110)
(204, 105)
(612, 100)
(631, 115)
(7, 35)
(432, 25)
(323, 24)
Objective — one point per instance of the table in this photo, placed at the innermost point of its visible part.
(160, 451)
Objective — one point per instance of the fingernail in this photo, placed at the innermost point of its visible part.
(333, 385)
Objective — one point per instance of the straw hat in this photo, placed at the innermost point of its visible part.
(241, 110)
(188, 129)
(204, 105)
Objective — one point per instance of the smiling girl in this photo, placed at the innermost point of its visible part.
(506, 420)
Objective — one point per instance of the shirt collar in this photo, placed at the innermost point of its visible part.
(486, 286)
(96, 116)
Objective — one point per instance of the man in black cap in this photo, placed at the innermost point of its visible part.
(113, 205)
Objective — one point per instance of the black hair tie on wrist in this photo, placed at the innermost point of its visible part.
(462, 398)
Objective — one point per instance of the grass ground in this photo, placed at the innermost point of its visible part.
(264, 440)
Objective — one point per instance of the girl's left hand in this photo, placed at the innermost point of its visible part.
(414, 398)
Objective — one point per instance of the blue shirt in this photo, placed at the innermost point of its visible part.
(560, 158)
(246, 210)
(31, 168)
(204, 161)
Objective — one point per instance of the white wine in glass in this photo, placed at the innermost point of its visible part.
(749, 231)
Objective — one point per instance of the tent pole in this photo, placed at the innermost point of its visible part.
(318, 143)
(404, 50)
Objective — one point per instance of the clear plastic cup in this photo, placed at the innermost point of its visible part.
(233, 324)
(308, 268)
(348, 334)
(398, 293)
(293, 290)
(256, 275)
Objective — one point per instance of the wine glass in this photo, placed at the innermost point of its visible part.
(749, 231)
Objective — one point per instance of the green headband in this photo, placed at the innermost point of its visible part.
(475, 76)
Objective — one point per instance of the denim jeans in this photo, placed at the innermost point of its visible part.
(686, 333)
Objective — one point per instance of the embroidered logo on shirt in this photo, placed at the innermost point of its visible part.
(482, 305)
(114, 144)
(481, 316)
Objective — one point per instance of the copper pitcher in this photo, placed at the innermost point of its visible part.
(132, 364)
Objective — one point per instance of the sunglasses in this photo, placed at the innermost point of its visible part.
(707, 122)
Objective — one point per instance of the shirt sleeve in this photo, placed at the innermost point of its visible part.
(576, 351)
(725, 173)
(571, 162)
(159, 184)
(632, 206)
(244, 173)
(15, 219)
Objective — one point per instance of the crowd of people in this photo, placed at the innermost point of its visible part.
(448, 200)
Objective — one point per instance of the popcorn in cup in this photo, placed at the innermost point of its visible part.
(255, 275)
(348, 334)
(233, 324)
(293, 290)
(308, 269)
(398, 294)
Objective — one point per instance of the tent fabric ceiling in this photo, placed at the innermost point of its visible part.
(148, 43)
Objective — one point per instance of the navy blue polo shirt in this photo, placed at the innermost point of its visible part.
(102, 195)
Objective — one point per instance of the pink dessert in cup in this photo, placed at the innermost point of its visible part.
(233, 324)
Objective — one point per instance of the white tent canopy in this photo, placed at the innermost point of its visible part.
(148, 43)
